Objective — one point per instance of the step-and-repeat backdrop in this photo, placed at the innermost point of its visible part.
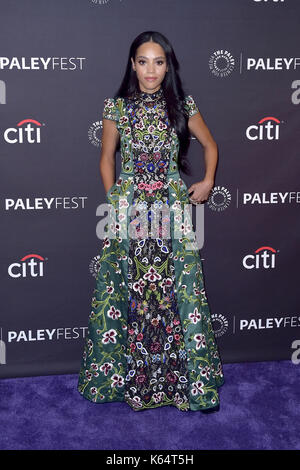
(240, 60)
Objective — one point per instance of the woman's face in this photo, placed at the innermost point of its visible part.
(150, 61)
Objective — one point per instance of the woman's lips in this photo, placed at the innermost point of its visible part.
(150, 79)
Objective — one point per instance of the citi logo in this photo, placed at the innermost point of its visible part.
(28, 130)
(266, 129)
(29, 266)
(264, 257)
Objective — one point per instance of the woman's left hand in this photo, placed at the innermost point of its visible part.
(201, 191)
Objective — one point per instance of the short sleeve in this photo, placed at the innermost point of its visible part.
(190, 106)
(110, 110)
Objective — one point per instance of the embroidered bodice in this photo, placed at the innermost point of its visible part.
(151, 135)
(149, 145)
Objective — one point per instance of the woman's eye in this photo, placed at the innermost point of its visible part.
(160, 62)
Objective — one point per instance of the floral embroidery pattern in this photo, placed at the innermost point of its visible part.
(150, 339)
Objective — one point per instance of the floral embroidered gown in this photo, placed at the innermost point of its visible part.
(150, 339)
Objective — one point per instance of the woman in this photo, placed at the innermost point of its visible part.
(150, 340)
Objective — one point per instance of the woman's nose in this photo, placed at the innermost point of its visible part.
(150, 68)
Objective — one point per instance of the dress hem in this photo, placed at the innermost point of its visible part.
(159, 405)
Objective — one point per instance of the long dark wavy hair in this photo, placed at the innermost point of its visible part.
(172, 89)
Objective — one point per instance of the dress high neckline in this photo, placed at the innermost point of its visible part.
(151, 96)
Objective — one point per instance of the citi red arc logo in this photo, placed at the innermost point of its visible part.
(28, 130)
(264, 257)
(266, 129)
(31, 265)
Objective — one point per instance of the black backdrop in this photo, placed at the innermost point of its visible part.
(240, 60)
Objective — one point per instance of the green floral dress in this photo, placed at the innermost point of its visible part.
(150, 339)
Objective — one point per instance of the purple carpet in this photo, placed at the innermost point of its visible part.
(260, 409)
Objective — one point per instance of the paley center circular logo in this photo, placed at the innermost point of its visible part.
(220, 324)
(94, 265)
(100, 2)
(221, 63)
(94, 133)
(219, 199)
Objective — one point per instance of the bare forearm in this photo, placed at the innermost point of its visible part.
(107, 172)
(211, 160)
